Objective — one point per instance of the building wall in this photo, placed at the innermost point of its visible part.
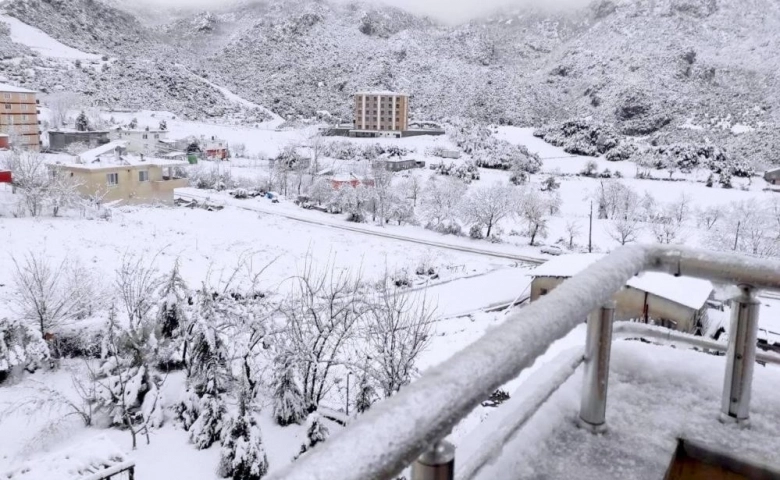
(136, 143)
(630, 303)
(19, 119)
(129, 189)
(381, 112)
(61, 140)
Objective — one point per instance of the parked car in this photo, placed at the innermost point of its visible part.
(552, 250)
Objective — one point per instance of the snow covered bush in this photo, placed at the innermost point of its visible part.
(487, 206)
(242, 456)
(21, 347)
(316, 432)
(580, 137)
(173, 319)
(289, 404)
(441, 201)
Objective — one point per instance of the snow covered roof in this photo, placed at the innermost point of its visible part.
(174, 154)
(772, 170)
(5, 87)
(92, 155)
(383, 93)
(104, 156)
(687, 291)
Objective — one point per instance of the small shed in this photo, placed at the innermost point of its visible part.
(772, 176)
(5, 141)
(396, 164)
(679, 303)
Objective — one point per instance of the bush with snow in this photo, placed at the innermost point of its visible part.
(242, 456)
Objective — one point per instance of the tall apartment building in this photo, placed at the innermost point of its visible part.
(19, 116)
(381, 113)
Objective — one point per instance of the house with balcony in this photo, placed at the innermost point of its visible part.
(19, 117)
(110, 173)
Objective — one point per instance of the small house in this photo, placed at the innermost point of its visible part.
(341, 180)
(110, 173)
(772, 176)
(679, 303)
(396, 164)
(140, 141)
(216, 149)
(455, 154)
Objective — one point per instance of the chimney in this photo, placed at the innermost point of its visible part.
(117, 154)
(142, 157)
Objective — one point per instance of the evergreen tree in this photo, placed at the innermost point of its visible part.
(289, 405)
(174, 294)
(316, 432)
(82, 122)
(725, 179)
(242, 456)
(163, 125)
(366, 395)
(133, 124)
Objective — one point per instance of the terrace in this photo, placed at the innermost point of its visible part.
(672, 412)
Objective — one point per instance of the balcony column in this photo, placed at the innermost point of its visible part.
(593, 404)
(437, 463)
(740, 356)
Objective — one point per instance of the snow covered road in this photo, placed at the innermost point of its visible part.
(302, 216)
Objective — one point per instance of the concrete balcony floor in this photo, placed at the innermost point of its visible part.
(657, 394)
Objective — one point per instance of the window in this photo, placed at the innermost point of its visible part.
(112, 179)
(543, 291)
(7, 106)
(25, 118)
(145, 136)
(7, 96)
(143, 175)
(24, 107)
(156, 135)
(23, 96)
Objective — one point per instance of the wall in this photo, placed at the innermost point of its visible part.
(629, 304)
(60, 140)
(379, 112)
(129, 190)
(136, 143)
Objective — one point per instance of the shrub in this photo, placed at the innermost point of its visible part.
(475, 232)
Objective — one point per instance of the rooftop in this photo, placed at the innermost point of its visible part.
(687, 291)
(382, 93)
(5, 87)
(105, 156)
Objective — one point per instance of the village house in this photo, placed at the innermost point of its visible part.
(112, 174)
(772, 176)
(215, 149)
(59, 140)
(350, 179)
(398, 164)
(19, 117)
(679, 303)
(140, 141)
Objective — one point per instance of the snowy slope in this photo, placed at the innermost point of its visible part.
(40, 42)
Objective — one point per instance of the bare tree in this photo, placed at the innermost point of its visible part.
(710, 215)
(45, 295)
(681, 208)
(398, 329)
(624, 229)
(487, 206)
(572, 230)
(534, 211)
(383, 183)
(666, 228)
(321, 190)
(63, 191)
(31, 176)
(413, 187)
(322, 313)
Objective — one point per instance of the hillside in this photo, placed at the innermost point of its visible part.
(645, 67)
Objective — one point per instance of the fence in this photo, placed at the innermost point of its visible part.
(122, 471)
(409, 429)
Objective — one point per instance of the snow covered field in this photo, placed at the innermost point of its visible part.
(208, 245)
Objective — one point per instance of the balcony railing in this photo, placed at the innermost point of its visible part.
(410, 428)
(122, 471)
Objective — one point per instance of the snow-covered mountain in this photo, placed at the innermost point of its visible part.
(647, 67)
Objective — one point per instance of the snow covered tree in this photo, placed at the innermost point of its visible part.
(321, 190)
(242, 456)
(440, 204)
(490, 205)
(534, 211)
(550, 183)
(137, 283)
(572, 230)
(518, 176)
(31, 176)
(133, 124)
(398, 329)
(172, 319)
(163, 125)
(60, 104)
(412, 187)
(82, 122)
(316, 432)
(624, 229)
(322, 312)
(725, 179)
(62, 192)
(49, 296)
(383, 190)
(366, 395)
(289, 405)
(400, 209)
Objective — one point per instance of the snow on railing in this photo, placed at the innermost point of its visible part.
(398, 430)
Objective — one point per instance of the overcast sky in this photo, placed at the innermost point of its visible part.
(445, 10)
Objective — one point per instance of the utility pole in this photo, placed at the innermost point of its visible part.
(736, 237)
(347, 403)
(590, 229)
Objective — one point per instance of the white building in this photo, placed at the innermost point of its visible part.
(140, 141)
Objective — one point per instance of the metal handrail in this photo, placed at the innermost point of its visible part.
(396, 431)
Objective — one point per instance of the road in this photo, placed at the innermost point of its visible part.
(275, 209)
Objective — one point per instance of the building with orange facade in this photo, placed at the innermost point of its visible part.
(19, 117)
(380, 114)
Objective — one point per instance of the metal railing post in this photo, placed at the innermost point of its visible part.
(437, 463)
(593, 405)
(740, 356)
